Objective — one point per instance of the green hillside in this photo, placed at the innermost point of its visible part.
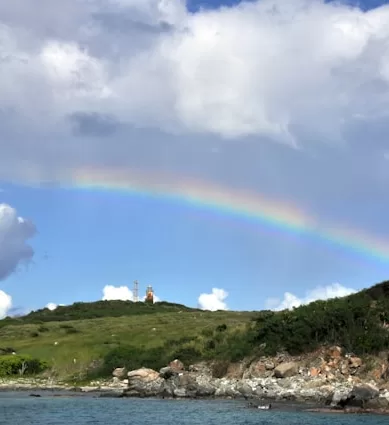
(156, 332)
(86, 340)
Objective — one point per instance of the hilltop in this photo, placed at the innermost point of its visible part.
(93, 310)
(88, 340)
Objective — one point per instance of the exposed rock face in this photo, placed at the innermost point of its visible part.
(355, 362)
(325, 376)
(286, 370)
(119, 372)
(168, 383)
(144, 383)
(364, 396)
(176, 365)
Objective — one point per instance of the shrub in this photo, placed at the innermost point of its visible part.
(12, 365)
(133, 358)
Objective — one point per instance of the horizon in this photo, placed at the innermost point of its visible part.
(232, 154)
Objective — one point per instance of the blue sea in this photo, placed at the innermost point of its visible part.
(20, 409)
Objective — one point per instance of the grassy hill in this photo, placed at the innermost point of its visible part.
(149, 334)
(90, 339)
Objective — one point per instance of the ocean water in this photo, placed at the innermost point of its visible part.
(20, 409)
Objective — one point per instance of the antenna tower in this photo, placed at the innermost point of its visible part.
(135, 291)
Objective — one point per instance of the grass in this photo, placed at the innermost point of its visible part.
(89, 340)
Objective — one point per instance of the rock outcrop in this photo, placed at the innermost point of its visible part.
(328, 376)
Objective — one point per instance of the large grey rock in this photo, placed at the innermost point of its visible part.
(359, 396)
(244, 389)
(144, 383)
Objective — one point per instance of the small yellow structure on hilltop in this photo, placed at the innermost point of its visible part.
(149, 295)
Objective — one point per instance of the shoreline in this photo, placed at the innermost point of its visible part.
(64, 390)
(277, 405)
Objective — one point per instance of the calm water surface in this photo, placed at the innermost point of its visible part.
(20, 409)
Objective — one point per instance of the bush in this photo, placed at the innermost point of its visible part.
(355, 322)
(12, 365)
(133, 358)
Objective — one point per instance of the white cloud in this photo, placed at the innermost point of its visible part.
(5, 304)
(290, 300)
(297, 70)
(213, 301)
(14, 233)
(123, 293)
(53, 306)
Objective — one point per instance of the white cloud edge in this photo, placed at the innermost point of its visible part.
(15, 233)
(5, 304)
(213, 301)
(291, 300)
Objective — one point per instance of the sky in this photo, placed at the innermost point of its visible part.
(233, 155)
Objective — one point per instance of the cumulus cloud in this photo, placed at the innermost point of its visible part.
(5, 304)
(15, 231)
(122, 293)
(53, 306)
(213, 301)
(290, 300)
(297, 71)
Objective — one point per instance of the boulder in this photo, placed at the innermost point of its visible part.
(144, 383)
(244, 389)
(286, 370)
(167, 372)
(335, 352)
(355, 362)
(119, 372)
(343, 368)
(176, 365)
(360, 396)
(144, 374)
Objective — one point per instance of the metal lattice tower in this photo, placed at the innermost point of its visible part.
(136, 291)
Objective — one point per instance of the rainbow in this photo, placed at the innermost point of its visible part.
(238, 204)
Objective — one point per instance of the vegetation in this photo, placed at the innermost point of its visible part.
(82, 311)
(357, 322)
(105, 335)
(93, 347)
(11, 365)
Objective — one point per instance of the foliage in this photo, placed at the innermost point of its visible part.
(131, 358)
(355, 322)
(82, 311)
(17, 364)
(136, 334)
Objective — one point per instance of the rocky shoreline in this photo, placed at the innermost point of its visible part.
(336, 384)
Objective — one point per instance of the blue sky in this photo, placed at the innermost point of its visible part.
(290, 105)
